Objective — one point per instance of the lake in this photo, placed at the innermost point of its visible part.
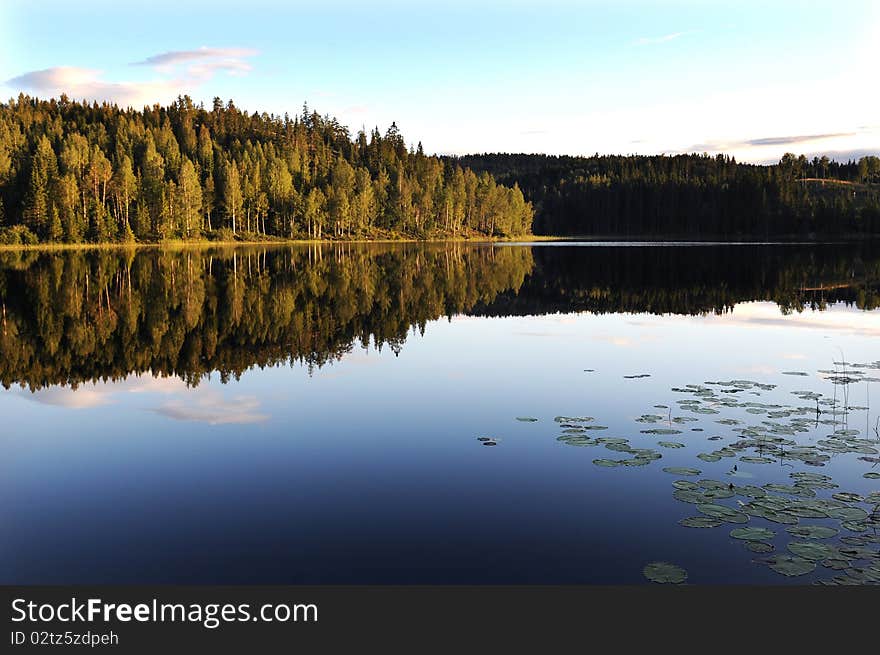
(441, 413)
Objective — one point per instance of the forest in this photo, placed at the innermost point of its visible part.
(76, 316)
(74, 172)
(692, 196)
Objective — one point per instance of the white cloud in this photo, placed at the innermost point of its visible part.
(175, 57)
(214, 409)
(178, 72)
(201, 404)
(82, 398)
(666, 38)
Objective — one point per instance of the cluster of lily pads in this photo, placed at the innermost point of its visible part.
(825, 527)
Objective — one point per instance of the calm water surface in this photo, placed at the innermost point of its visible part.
(354, 414)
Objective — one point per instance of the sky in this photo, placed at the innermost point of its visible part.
(750, 79)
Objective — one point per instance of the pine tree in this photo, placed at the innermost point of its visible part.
(232, 199)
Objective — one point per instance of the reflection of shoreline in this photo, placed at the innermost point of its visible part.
(88, 315)
(70, 317)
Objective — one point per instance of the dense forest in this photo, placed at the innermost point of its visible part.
(692, 196)
(76, 172)
(85, 315)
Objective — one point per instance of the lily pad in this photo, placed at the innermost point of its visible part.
(836, 564)
(750, 491)
(527, 419)
(722, 512)
(759, 547)
(812, 531)
(812, 550)
(790, 565)
(847, 497)
(700, 522)
(848, 513)
(682, 470)
(752, 534)
(665, 573)
(608, 462)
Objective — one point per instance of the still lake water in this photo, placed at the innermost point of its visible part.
(357, 414)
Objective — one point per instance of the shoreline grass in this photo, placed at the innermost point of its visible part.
(527, 238)
(208, 243)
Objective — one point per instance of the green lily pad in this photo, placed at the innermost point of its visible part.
(527, 419)
(700, 522)
(722, 512)
(665, 573)
(812, 531)
(790, 565)
(708, 457)
(836, 564)
(847, 497)
(663, 431)
(856, 514)
(752, 534)
(607, 462)
(670, 444)
(750, 491)
(637, 461)
(682, 470)
(577, 440)
(812, 550)
(872, 475)
(760, 547)
(749, 459)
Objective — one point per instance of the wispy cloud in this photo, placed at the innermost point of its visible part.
(179, 71)
(791, 140)
(202, 404)
(665, 38)
(83, 398)
(177, 57)
(786, 140)
(213, 409)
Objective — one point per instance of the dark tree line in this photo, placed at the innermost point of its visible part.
(692, 195)
(76, 172)
(694, 280)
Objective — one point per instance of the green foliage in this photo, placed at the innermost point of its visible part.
(692, 195)
(73, 171)
(17, 235)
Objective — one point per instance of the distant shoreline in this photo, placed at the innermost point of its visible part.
(207, 243)
(529, 239)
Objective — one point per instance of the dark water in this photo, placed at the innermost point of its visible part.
(314, 415)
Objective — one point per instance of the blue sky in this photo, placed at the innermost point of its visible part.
(753, 79)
